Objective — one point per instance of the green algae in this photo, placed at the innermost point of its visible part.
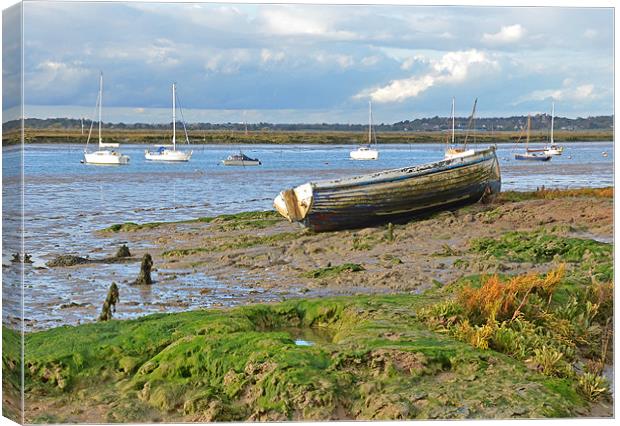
(539, 247)
(236, 243)
(550, 194)
(226, 222)
(379, 362)
(331, 271)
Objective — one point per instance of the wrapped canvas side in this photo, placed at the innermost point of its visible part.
(13, 256)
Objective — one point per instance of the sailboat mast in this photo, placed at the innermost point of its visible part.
(369, 122)
(453, 120)
(174, 118)
(100, 103)
(552, 116)
(527, 139)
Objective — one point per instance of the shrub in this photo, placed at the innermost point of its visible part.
(593, 386)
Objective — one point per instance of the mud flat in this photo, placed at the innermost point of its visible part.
(500, 310)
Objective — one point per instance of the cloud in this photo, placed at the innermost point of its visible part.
(369, 61)
(452, 67)
(227, 62)
(590, 33)
(268, 55)
(343, 61)
(507, 34)
(303, 21)
(568, 92)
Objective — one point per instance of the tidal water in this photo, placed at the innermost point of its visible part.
(65, 202)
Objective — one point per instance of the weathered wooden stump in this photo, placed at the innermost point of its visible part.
(109, 306)
(145, 271)
(123, 251)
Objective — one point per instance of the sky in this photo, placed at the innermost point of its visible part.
(314, 63)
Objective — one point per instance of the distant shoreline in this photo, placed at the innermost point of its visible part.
(219, 137)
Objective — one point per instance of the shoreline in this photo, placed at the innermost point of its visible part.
(297, 137)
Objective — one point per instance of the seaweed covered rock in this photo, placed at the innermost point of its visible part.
(123, 251)
(144, 278)
(66, 260)
(109, 306)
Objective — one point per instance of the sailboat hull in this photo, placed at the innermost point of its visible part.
(105, 157)
(241, 162)
(392, 195)
(532, 157)
(168, 155)
(364, 154)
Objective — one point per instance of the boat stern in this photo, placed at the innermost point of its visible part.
(295, 203)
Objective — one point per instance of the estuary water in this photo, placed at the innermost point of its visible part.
(65, 202)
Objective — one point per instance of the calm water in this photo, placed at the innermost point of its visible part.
(66, 201)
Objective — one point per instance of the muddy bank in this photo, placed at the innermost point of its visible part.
(406, 258)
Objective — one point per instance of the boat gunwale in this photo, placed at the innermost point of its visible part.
(407, 172)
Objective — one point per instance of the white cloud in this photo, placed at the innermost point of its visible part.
(568, 92)
(268, 55)
(227, 62)
(590, 33)
(343, 61)
(452, 67)
(369, 61)
(302, 21)
(507, 34)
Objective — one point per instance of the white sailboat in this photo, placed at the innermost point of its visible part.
(366, 152)
(453, 151)
(553, 148)
(163, 152)
(103, 156)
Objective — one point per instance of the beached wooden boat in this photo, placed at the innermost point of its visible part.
(391, 195)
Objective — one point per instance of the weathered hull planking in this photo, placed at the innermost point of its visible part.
(392, 195)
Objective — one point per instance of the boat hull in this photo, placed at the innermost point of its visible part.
(168, 155)
(531, 157)
(553, 151)
(366, 154)
(393, 195)
(105, 158)
(456, 153)
(241, 163)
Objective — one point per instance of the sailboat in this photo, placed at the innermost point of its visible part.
(455, 152)
(531, 155)
(553, 148)
(163, 153)
(366, 152)
(241, 159)
(102, 156)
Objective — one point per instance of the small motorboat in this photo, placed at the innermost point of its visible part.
(240, 160)
(532, 156)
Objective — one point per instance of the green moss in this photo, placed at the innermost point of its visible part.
(240, 242)
(539, 247)
(548, 194)
(379, 361)
(331, 271)
(243, 220)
